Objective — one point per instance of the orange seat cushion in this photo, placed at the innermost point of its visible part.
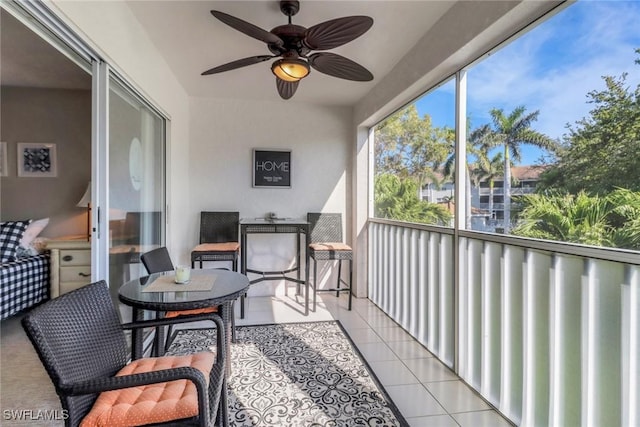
(154, 403)
(330, 246)
(191, 312)
(217, 247)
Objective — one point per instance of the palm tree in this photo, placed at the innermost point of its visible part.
(511, 131)
(396, 198)
(488, 170)
(565, 217)
(612, 220)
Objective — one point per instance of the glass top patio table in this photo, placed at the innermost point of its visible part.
(226, 287)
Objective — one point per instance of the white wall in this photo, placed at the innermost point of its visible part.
(224, 133)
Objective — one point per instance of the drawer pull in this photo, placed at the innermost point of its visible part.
(67, 258)
(84, 274)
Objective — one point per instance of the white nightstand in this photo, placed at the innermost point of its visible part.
(70, 264)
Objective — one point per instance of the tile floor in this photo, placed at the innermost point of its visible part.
(426, 391)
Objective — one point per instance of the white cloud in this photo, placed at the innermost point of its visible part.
(554, 66)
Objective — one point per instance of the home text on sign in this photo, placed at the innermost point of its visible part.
(270, 166)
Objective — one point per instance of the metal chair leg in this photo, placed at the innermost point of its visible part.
(350, 282)
(167, 341)
(306, 286)
(339, 278)
(233, 322)
(315, 282)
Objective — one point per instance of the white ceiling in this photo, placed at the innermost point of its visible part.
(192, 41)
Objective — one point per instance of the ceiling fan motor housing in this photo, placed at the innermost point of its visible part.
(292, 36)
(289, 7)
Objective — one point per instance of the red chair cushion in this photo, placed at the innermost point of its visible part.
(191, 312)
(217, 247)
(330, 246)
(154, 403)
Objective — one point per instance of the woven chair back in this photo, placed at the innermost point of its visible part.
(143, 227)
(78, 337)
(325, 227)
(157, 260)
(219, 227)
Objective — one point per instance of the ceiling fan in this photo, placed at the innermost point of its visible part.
(294, 44)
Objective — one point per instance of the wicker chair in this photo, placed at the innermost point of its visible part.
(325, 237)
(218, 238)
(82, 345)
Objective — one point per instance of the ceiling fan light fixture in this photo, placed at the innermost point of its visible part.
(290, 69)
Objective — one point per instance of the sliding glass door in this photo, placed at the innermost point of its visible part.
(136, 182)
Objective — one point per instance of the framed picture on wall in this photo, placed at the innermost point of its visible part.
(3, 159)
(37, 160)
(272, 168)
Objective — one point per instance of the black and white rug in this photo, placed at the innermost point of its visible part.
(297, 374)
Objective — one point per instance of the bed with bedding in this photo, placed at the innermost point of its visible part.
(24, 267)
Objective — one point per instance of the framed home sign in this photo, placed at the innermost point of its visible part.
(272, 168)
(37, 160)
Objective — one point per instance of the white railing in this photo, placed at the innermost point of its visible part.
(411, 279)
(549, 333)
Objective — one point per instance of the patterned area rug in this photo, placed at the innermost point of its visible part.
(297, 374)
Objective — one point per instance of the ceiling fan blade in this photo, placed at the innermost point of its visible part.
(339, 66)
(237, 64)
(286, 89)
(336, 32)
(247, 28)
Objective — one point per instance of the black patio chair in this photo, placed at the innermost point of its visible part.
(325, 230)
(218, 238)
(82, 345)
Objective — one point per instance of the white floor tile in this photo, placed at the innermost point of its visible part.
(414, 400)
(481, 419)
(361, 336)
(367, 309)
(456, 397)
(395, 333)
(381, 321)
(409, 349)
(393, 372)
(430, 369)
(352, 321)
(376, 352)
(432, 421)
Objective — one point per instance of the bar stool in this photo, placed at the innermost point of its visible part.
(325, 237)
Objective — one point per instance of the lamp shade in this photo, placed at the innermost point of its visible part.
(86, 197)
(290, 69)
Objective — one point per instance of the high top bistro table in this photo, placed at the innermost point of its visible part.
(275, 226)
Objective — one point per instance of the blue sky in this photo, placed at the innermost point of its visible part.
(551, 68)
